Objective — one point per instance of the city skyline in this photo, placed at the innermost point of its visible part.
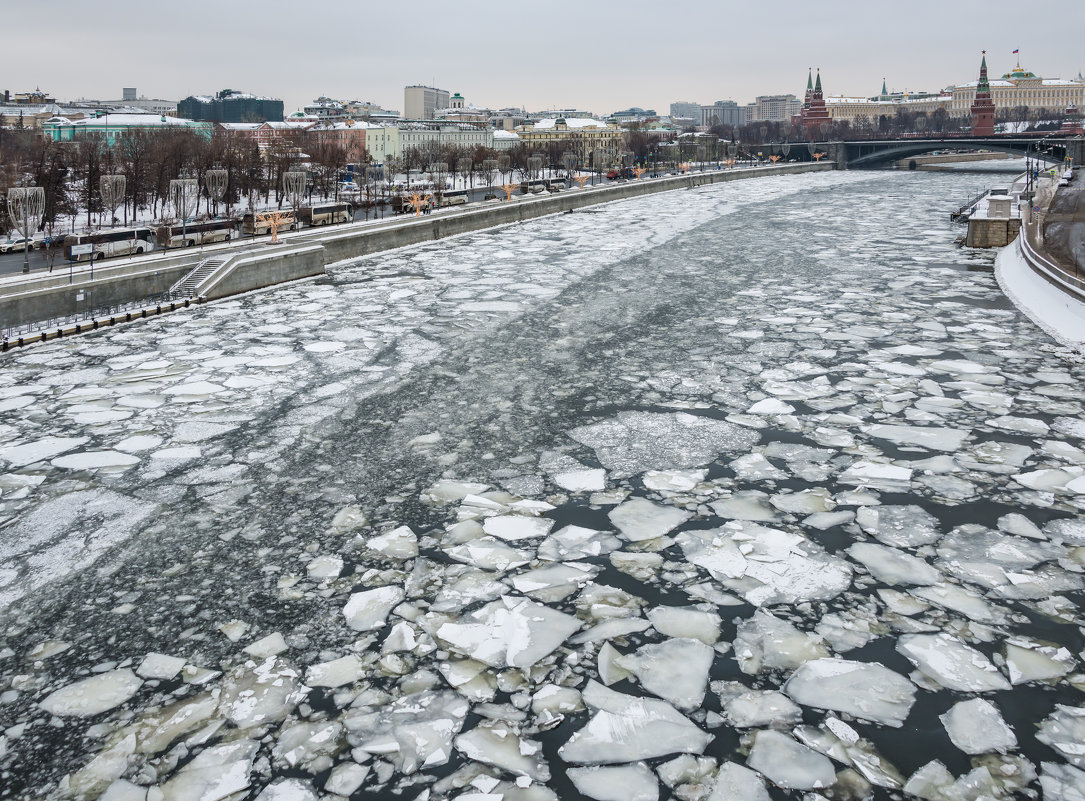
(602, 62)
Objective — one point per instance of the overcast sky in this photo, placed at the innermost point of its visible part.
(599, 55)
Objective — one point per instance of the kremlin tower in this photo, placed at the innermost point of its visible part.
(814, 112)
(983, 108)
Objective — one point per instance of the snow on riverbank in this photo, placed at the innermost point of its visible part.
(1049, 307)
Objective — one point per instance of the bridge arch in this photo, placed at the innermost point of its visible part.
(874, 153)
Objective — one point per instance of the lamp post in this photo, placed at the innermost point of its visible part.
(26, 204)
(294, 187)
(215, 182)
(183, 195)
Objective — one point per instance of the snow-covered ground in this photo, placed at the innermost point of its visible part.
(757, 488)
(1056, 311)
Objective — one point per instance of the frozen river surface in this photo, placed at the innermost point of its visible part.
(755, 491)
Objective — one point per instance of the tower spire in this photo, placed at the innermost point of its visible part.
(983, 85)
(817, 84)
(885, 92)
(810, 81)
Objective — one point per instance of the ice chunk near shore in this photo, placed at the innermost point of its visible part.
(868, 691)
(512, 528)
(782, 567)
(509, 632)
(746, 709)
(335, 673)
(764, 642)
(891, 566)
(951, 663)
(587, 480)
(1061, 782)
(258, 694)
(634, 782)
(677, 621)
(627, 728)
(399, 543)
(899, 526)
(286, 790)
(633, 442)
(675, 670)
(976, 727)
(93, 696)
(414, 731)
(1064, 731)
(640, 519)
(949, 440)
(673, 480)
(498, 744)
(737, 783)
(39, 450)
(1029, 661)
(864, 473)
(160, 666)
(577, 542)
(789, 764)
(215, 773)
(957, 599)
(367, 610)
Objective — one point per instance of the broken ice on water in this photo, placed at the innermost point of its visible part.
(521, 517)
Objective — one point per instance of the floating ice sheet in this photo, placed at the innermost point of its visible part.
(626, 728)
(866, 690)
(636, 441)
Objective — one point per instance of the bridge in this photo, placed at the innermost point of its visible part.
(877, 153)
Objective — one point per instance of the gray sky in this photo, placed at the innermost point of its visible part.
(600, 55)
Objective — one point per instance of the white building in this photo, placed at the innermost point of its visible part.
(1022, 88)
(420, 102)
(505, 140)
(382, 142)
(419, 135)
(773, 108)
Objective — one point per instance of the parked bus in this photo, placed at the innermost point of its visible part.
(401, 204)
(196, 233)
(250, 226)
(114, 242)
(455, 197)
(326, 214)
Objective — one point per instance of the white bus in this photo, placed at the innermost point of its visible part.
(326, 214)
(114, 242)
(253, 225)
(197, 233)
(455, 197)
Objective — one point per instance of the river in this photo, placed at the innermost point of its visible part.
(685, 496)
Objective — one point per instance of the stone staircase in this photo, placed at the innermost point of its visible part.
(186, 287)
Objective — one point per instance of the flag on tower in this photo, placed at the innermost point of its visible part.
(1015, 52)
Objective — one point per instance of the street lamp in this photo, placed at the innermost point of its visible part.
(184, 192)
(111, 188)
(294, 188)
(215, 182)
(26, 204)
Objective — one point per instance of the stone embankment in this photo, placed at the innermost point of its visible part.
(27, 300)
(1053, 240)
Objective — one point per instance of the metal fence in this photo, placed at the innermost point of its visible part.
(93, 317)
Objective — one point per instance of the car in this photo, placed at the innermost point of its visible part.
(17, 245)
